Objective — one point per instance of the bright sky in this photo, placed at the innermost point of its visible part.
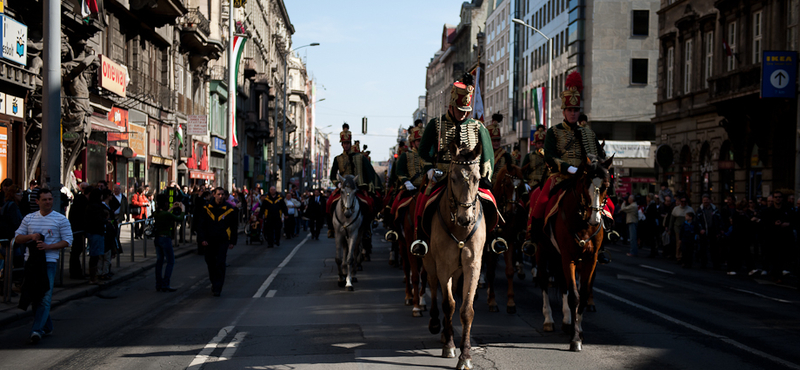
(371, 62)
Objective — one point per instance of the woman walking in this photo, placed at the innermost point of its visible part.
(631, 210)
(293, 206)
(139, 212)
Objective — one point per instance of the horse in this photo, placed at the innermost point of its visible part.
(576, 235)
(347, 219)
(412, 265)
(458, 232)
(509, 189)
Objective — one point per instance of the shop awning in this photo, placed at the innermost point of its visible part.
(202, 175)
(102, 124)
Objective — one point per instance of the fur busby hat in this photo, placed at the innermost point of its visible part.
(461, 93)
(415, 134)
(571, 96)
(497, 117)
(345, 135)
(494, 131)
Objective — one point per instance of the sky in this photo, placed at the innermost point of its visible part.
(371, 62)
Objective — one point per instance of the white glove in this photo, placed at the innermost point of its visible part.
(409, 185)
(339, 185)
(431, 174)
(527, 188)
(572, 169)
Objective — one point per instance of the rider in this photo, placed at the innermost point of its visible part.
(433, 148)
(352, 163)
(410, 171)
(565, 147)
(533, 165)
(393, 189)
(501, 157)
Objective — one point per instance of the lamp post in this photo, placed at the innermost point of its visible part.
(549, 69)
(285, 86)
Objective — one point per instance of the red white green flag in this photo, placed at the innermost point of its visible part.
(238, 48)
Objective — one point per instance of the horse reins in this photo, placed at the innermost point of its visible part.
(352, 205)
(460, 204)
(582, 242)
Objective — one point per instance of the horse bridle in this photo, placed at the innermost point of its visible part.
(453, 203)
(346, 208)
(584, 217)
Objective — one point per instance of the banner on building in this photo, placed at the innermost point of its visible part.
(779, 74)
(137, 139)
(3, 152)
(113, 76)
(12, 105)
(120, 117)
(238, 48)
(628, 149)
(15, 40)
(197, 125)
(477, 110)
(539, 109)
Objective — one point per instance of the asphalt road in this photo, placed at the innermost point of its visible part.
(281, 309)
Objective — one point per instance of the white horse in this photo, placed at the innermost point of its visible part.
(347, 219)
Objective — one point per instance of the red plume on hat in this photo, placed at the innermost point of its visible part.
(571, 96)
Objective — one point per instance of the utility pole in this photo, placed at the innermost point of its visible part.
(51, 101)
(231, 96)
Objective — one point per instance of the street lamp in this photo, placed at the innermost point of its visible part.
(285, 86)
(549, 69)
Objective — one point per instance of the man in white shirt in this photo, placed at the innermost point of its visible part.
(57, 233)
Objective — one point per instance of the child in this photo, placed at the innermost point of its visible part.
(689, 236)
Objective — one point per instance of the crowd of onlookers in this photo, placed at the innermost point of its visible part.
(754, 237)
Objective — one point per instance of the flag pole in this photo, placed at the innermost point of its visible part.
(231, 97)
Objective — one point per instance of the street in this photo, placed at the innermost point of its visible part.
(281, 309)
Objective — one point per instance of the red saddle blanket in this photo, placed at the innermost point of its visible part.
(491, 216)
(362, 196)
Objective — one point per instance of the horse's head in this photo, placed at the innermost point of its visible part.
(594, 180)
(462, 184)
(509, 186)
(349, 189)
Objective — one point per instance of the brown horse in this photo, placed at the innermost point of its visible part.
(576, 234)
(458, 232)
(509, 190)
(412, 265)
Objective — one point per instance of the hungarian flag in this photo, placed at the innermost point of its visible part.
(477, 110)
(179, 135)
(93, 9)
(539, 110)
(238, 48)
(727, 48)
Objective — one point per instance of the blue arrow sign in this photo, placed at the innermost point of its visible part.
(779, 74)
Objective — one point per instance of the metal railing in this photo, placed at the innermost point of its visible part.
(196, 19)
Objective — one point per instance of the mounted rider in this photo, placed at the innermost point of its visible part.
(454, 126)
(533, 164)
(352, 163)
(566, 145)
(501, 157)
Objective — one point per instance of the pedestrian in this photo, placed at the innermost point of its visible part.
(316, 213)
(665, 191)
(95, 228)
(777, 247)
(139, 212)
(738, 237)
(200, 203)
(667, 240)
(218, 232)
(29, 197)
(111, 244)
(165, 218)
(688, 235)
(51, 232)
(77, 218)
(652, 225)
(677, 220)
(631, 210)
(710, 223)
(274, 209)
(292, 209)
(10, 219)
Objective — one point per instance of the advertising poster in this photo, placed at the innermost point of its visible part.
(3, 152)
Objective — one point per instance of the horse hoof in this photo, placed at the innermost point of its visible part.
(434, 326)
(416, 312)
(341, 283)
(464, 364)
(493, 308)
(548, 327)
(350, 289)
(449, 352)
(575, 346)
(409, 301)
(591, 308)
(511, 309)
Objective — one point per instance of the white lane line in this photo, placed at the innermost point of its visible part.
(275, 272)
(227, 354)
(703, 331)
(202, 357)
(658, 269)
(271, 293)
(760, 295)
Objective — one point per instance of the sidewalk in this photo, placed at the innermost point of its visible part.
(78, 288)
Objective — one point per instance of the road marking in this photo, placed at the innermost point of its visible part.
(202, 357)
(638, 280)
(275, 272)
(271, 293)
(703, 331)
(760, 295)
(658, 269)
(231, 348)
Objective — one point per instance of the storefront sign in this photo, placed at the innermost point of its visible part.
(202, 175)
(628, 149)
(137, 140)
(779, 73)
(120, 117)
(164, 151)
(167, 162)
(113, 77)
(197, 125)
(219, 145)
(12, 105)
(15, 40)
(157, 160)
(727, 165)
(3, 152)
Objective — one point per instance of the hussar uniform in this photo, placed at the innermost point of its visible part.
(501, 157)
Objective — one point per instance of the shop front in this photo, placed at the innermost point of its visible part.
(217, 159)
(12, 143)
(633, 166)
(160, 155)
(197, 165)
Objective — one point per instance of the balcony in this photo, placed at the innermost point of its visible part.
(194, 20)
(158, 13)
(250, 67)
(148, 90)
(734, 84)
(195, 30)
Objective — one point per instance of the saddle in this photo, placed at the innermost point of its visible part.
(491, 214)
(361, 195)
(402, 200)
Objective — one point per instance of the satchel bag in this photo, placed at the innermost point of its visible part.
(665, 238)
(135, 210)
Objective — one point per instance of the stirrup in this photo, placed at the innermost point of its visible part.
(391, 236)
(613, 236)
(529, 248)
(499, 246)
(419, 248)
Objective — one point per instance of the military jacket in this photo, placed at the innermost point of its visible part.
(533, 167)
(563, 145)
(439, 132)
(357, 165)
(410, 167)
(502, 159)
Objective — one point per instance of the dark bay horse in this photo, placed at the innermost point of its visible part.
(509, 190)
(458, 232)
(412, 265)
(570, 250)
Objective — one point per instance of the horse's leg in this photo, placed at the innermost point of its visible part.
(470, 269)
(449, 308)
(549, 323)
(423, 283)
(340, 255)
(511, 306)
(588, 269)
(575, 343)
(406, 271)
(434, 325)
(352, 248)
(489, 271)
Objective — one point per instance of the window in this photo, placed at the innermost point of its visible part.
(641, 22)
(670, 76)
(709, 56)
(731, 49)
(757, 37)
(639, 71)
(687, 67)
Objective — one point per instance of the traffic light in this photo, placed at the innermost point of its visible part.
(364, 125)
